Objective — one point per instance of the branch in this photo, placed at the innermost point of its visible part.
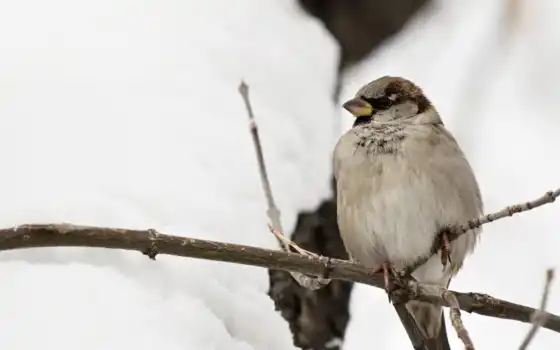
(272, 211)
(455, 232)
(539, 316)
(152, 243)
(438, 292)
(457, 321)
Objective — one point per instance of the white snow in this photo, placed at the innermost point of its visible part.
(495, 84)
(126, 113)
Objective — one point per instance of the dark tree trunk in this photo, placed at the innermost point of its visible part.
(360, 26)
(317, 319)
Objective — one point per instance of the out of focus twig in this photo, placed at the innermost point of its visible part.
(455, 232)
(272, 211)
(514, 13)
(539, 317)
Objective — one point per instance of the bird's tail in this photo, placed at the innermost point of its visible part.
(424, 324)
(441, 342)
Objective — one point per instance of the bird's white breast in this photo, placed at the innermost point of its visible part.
(392, 204)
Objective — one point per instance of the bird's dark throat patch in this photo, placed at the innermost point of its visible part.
(362, 120)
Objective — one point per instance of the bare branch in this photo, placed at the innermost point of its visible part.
(443, 295)
(289, 243)
(548, 197)
(539, 317)
(152, 243)
(455, 232)
(272, 211)
(456, 320)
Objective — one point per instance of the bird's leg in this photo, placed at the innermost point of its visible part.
(388, 274)
(445, 249)
(386, 278)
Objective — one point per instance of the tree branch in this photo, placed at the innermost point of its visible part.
(152, 243)
(438, 293)
(457, 321)
(455, 232)
(272, 211)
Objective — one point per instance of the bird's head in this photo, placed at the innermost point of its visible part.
(387, 99)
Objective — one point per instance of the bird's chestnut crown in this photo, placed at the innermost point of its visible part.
(382, 94)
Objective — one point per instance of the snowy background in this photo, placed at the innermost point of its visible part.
(126, 113)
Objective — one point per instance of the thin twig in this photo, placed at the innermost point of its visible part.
(455, 232)
(152, 243)
(539, 317)
(272, 211)
(448, 297)
(289, 243)
(457, 321)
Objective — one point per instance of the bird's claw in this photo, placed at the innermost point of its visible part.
(389, 275)
(445, 249)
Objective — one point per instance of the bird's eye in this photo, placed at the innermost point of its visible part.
(380, 103)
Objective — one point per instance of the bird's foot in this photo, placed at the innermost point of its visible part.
(389, 275)
(445, 249)
(289, 243)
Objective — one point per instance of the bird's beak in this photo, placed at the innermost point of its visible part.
(358, 107)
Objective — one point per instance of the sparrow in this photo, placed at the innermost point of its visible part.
(401, 180)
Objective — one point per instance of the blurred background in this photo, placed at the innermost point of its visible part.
(126, 113)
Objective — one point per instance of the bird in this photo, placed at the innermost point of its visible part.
(401, 180)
